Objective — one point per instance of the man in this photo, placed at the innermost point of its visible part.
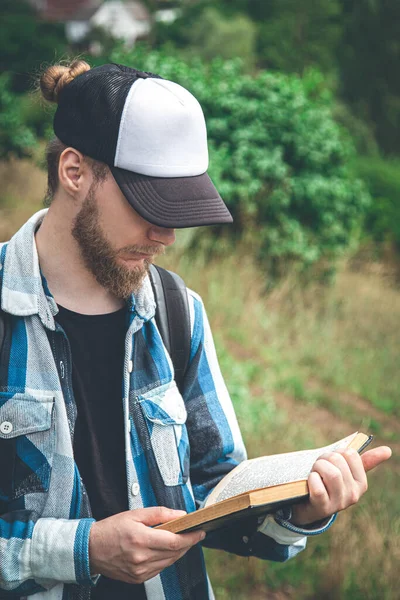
(97, 445)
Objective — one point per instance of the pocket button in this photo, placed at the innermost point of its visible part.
(135, 489)
(6, 427)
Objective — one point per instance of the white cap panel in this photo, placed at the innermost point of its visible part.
(162, 131)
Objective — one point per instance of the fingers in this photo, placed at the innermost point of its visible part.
(173, 542)
(162, 550)
(318, 492)
(337, 481)
(154, 568)
(128, 549)
(355, 464)
(344, 478)
(155, 515)
(166, 561)
(332, 477)
(373, 458)
(358, 484)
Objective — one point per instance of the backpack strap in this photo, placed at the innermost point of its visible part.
(172, 318)
(2, 329)
(2, 319)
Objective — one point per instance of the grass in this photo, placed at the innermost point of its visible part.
(303, 368)
(346, 336)
(22, 192)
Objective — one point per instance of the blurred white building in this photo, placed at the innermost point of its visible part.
(127, 21)
(123, 20)
(78, 24)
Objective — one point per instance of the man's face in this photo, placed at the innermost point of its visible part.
(117, 245)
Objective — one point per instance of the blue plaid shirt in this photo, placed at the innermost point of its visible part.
(178, 447)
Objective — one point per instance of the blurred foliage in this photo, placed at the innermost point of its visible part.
(370, 66)
(25, 42)
(383, 179)
(359, 130)
(280, 154)
(207, 33)
(37, 114)
(293, 36)
(285, 35)
(16, 138)
(212, 35)
(355, 43)
(276, 156)
(100, 43)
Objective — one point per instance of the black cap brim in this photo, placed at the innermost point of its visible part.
(175, 202)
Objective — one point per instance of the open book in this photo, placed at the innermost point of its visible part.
(260, 486)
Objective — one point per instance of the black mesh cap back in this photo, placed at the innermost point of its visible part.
(90, 107)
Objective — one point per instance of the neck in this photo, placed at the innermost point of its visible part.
(70, 282)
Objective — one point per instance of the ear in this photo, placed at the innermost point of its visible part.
(74, 173)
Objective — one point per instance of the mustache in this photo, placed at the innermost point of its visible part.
(136, 249)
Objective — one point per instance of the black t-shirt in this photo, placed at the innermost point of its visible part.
(97, 345)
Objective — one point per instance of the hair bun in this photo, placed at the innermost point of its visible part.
(55, 78)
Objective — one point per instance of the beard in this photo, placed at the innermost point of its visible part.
(100, 258)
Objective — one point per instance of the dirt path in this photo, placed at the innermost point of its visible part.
(361, 407)
(330, 426)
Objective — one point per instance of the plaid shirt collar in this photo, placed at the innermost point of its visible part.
(25, 292)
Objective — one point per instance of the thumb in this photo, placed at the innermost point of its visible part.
(155, 515)
(373, 458)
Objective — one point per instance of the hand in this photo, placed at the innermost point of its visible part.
(124, 547)
(337, 480)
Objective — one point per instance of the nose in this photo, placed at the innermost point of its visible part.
(162, 235)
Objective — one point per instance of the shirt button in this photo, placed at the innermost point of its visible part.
(6, 427)
(135, 489)
(245, 539)
(130, 366)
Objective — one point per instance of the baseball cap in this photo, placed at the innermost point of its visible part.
(152, 134)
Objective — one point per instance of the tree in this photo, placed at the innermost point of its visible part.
(203, 30)
(299, 35)
(26, 42)
(16, 139)
(213, 35)
(370, 66)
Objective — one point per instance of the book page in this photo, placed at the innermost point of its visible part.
(267, 471)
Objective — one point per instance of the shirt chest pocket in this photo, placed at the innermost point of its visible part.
(27, 439)
(164, 414)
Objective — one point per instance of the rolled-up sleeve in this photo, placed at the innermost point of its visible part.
(38, 553)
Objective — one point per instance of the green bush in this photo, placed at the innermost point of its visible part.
(277, 156)
(16, 139)
(382, 177)
(37, 114)
(26, 42)
(203, 30)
